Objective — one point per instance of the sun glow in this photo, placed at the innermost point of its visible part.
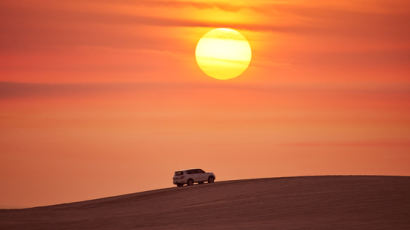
(223, 53)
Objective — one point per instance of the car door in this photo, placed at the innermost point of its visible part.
(201, 175)
(195, 174)
(192, 174)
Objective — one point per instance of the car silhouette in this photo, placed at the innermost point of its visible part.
(192, 176)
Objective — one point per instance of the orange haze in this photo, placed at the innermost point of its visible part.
(100, 98)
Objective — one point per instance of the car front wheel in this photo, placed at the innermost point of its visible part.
(211, 179)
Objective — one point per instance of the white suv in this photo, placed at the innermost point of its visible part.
(191, 176)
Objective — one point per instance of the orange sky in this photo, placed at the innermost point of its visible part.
(100, 98)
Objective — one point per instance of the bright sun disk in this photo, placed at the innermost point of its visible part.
(223, 53)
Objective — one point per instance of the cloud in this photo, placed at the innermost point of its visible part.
(366, 143)
(64, 16)
(29, 23)
(10, 90)
(30, 27)
(225, 6)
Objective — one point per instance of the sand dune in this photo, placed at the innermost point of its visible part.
(325, 202)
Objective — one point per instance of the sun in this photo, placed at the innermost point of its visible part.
(223, 53)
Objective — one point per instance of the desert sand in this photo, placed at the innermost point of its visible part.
(321, 202)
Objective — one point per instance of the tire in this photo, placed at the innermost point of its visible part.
(190, 182)
(180, 185)
(211, 179)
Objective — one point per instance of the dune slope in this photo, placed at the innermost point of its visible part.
(324, 202)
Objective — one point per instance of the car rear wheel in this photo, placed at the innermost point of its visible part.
(190, 182)
(211, 179)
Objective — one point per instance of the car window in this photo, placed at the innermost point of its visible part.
(178, 173)
(194, 171)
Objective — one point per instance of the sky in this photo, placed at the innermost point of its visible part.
(101, 98)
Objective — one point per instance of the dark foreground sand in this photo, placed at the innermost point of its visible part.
(328, 202)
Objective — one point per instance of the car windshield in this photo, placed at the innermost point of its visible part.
(178, 173)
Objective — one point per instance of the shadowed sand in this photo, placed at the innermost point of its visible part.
(323, 202)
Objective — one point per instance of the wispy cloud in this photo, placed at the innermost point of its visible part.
(225, 6)
(355, 144)
(9, 90)
(56, 25)
(320, 13)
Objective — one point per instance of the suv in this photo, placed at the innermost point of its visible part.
(191, 176)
